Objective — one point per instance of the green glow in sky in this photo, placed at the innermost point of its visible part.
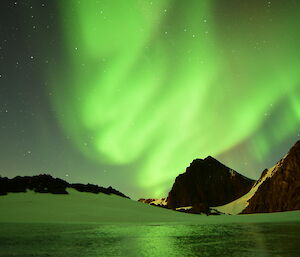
(155, 84)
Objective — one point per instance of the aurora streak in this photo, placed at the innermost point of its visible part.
(155, 84)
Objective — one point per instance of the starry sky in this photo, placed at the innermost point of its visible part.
(128, 93)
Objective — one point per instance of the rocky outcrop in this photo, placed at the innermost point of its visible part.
(147, 200)
(280, 186)
(162, 202)
(207, 183)
(47, 184)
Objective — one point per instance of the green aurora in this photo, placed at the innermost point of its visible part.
(154, 84)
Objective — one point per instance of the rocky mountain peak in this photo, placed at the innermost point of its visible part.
(207, 182)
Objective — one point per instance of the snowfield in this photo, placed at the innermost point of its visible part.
(85, 208)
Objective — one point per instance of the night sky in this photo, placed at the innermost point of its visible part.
(128, 93)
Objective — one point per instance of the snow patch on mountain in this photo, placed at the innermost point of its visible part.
(186, 208)
(238, 205)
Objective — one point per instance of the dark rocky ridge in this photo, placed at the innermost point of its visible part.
(149, 200)
(280, 192)
(47, 184)
(207, 183)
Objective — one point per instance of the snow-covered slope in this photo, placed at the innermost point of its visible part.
(237, 206)
(79, 207)
(83, 208)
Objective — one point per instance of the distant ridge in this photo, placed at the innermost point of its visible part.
(45, 183)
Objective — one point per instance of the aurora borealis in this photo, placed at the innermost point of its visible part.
(143, 87)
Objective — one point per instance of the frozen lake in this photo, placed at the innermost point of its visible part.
(240, 240)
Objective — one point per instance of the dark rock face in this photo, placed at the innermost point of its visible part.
(281, 191)
(207, 183)
(47, 184)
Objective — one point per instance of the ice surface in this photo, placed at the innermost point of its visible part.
(150, 240)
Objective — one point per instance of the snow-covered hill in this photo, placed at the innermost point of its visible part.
(82, 208)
